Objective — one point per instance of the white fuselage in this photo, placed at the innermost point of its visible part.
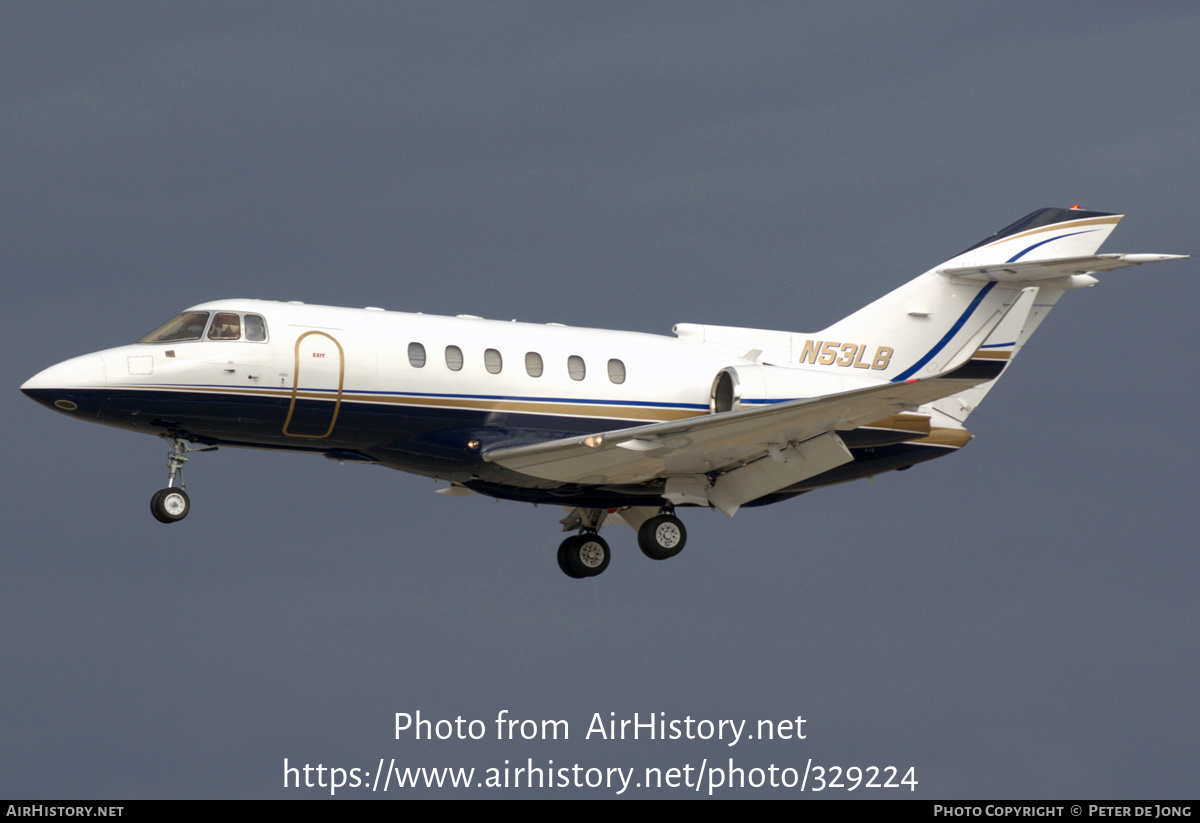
(424, 393)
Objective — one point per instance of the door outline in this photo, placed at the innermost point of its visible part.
(337, 404)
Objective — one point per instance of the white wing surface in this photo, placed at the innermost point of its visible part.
(783, 443)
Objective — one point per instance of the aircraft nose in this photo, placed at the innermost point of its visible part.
(67, 385)
(86, 372)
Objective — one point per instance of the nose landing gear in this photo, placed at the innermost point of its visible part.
(170, 505)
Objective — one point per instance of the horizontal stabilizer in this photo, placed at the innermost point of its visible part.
(1035, 270)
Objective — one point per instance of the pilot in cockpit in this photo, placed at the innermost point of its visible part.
(225, 326)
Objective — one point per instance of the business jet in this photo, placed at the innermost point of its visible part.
(616, 427)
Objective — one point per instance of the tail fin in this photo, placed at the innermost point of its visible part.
(975, 310)
(997, 291)
(1041, 235)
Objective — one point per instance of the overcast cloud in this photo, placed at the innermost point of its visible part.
(1017, 620)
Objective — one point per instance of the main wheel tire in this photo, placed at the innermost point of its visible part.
(170, 505)
(562, 560)
(154, 510)
(662, 536)
(588, 554)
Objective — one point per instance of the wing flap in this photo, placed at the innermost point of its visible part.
(779, 469)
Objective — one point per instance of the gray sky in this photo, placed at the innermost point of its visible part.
(1017, 620)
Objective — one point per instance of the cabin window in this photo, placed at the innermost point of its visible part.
(416, 355)
(533, 364)
(616, 371)
(454, 358)
(492, 361)
(187, 326)
(255, 327)
(576, 367)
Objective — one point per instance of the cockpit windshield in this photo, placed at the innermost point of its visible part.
(225, 325)
(187, 326)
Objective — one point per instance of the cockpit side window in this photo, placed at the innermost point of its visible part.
(225, 326)
(187, 326)
(256, 328)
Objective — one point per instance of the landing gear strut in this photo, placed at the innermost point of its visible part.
(170, 505)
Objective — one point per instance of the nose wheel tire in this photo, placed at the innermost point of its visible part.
(662, 536)
(170, 505)
(584, 555)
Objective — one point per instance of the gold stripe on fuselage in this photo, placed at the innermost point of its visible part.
(904, 421)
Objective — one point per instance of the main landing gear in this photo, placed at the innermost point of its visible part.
(586, 554)
(170, 505)
(662, 536)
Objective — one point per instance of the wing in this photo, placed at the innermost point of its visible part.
(752, 451)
